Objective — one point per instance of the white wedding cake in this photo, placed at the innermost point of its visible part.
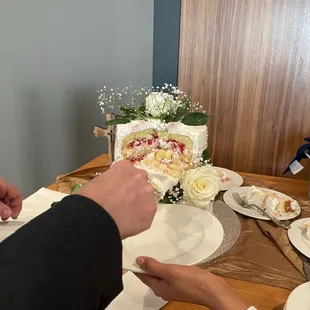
(167, 136)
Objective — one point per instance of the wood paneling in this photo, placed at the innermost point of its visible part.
(248, 63)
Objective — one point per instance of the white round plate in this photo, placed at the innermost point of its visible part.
(299, 299)
(179, 235)
(297, 239)
(235, 179)
(229, 200)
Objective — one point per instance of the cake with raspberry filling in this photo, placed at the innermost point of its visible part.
(164, 150)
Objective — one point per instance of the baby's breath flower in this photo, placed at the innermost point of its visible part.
(112, 100)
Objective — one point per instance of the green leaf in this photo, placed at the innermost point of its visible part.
(206, 155)
(166, 200)
(54, 204)
(141, 114)
(117, 121)
(73, 191)
(75, 188)
(180, 112)
(170, 199)
(195, 119)
(128, 112)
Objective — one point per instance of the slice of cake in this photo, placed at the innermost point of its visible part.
(271, 202)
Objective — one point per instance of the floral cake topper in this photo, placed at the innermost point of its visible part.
(198, 186)
(167, 103)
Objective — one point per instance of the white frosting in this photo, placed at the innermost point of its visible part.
(161, 182)
(295, 205)
(198, 134)
(256, 196)
(272, 203)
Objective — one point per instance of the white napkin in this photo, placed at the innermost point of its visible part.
(136, 296)
(33, 206)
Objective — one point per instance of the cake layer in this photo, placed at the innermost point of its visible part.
(197, 134)
(270, 201)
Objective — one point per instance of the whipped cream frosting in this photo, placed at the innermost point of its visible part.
(161, 182)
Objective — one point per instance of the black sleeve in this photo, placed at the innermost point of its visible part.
(70, 257)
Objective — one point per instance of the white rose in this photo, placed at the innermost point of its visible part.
(200, 186)
(158, 104)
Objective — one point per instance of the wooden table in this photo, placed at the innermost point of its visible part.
(263, 297)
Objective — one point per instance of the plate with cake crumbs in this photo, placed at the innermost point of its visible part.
(229, 179)
(299, 235)
(277, 204)
(179, 234)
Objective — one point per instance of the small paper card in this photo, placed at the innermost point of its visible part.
(296, 167)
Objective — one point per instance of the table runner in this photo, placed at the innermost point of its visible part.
(263, 253)
(257, 258)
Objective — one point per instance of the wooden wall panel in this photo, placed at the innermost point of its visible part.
(248, 63)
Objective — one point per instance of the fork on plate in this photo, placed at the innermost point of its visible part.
(242, 203)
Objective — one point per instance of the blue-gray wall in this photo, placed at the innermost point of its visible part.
(54, 55)
(166, 41)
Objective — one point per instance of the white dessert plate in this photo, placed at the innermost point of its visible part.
(229, 200)
(299, 299)
(179, 234)
(297, 238)
(234, 179)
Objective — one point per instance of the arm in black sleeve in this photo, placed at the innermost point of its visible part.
(70, 257)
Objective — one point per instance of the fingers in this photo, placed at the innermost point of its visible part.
(148, 280)
(16, 201)
(124, 165)
(11, 197)
(5, 211)
(3, 188)
(138, 174)
(152, 267)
